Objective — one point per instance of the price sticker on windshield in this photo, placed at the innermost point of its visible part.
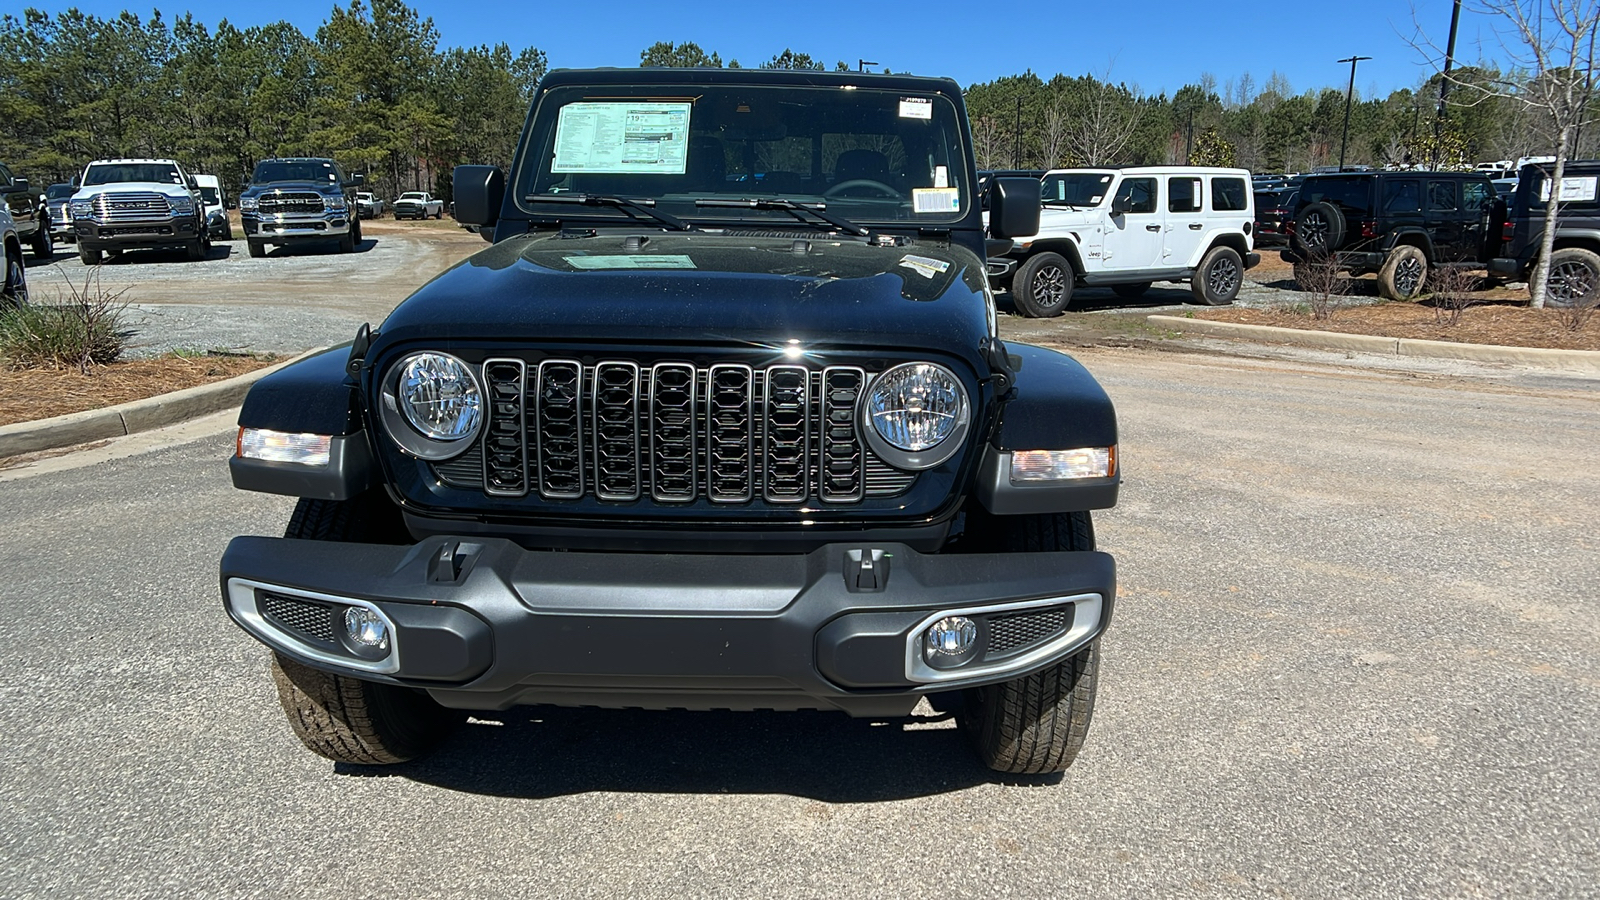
(935, 200)
(916, 108)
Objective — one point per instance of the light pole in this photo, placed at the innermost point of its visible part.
(861, 64)
(1016, 144)
(1349, 93)
(1444, 85)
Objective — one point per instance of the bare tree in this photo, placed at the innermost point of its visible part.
(1053, 136)
(1553, 43)
(1107, 117)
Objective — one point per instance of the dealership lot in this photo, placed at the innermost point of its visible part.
(1355, 655)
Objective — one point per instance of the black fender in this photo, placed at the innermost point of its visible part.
(1414, 236)
(1055, 404)
(312, 396)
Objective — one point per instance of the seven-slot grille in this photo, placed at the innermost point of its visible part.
(673, 433)
(113, 208)
(290, 202)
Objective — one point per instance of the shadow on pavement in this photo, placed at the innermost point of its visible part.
(317, 248)
(542, 752)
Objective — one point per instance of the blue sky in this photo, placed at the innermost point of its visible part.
(1158, 45)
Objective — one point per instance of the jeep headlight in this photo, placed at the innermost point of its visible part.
(432, 405)
(914, 415)
(247, 203)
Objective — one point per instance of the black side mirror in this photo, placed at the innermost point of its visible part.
(1013, 207)
(357, 180)
(480, 191)
(1121, 205)
(19, 184)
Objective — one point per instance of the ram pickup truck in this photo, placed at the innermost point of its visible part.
(300, 199)
(682, 438)
(137, 204)
(418, 205)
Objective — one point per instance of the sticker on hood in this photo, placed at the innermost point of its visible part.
(636, 261)
(924, 266)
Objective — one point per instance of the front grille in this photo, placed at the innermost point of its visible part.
(1014, 632)
(306, 619)
(135, 230)
(673, 432)
(117, 207)
(275, 202)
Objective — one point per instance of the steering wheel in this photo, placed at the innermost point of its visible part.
(839, 189)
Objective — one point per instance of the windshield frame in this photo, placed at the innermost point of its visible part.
(946, 141)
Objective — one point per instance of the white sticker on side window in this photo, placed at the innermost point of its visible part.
(935, 200)
(916, 108)
(630, 138)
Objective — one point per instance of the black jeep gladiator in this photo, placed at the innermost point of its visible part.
(720, 421)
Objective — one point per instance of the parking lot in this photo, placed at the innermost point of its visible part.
(1356, 654)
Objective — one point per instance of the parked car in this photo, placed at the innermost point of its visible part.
(58, 200)
(418, 205)
(1272, 210)
(1131, 227)
(14, 283)
(214, 200)
(1397, 224)
(795, 464)
(137, 204)
(1575, 257)
(30, 216)
(1504, 188)
(368, 206)
(299, 199)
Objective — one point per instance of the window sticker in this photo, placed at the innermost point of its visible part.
(941, 176)
(916, 108)
(636, 261)
(1573, 190)
(935, 200)
(925, 266)
(627, 137)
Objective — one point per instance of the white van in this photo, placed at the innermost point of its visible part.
(216, 207)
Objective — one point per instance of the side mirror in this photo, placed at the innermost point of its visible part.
(480, 191)
(19, 184)
(1121, 205)
(1013, 207)
(357, 180)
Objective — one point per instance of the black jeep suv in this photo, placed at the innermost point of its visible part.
(689, 438)
(300, 199)
(1397, 224)
(1575, 256)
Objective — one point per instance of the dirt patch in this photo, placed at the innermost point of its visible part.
(1504, 323)
(39, 394)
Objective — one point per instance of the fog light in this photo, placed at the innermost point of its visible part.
(365, 628)
(950, 641)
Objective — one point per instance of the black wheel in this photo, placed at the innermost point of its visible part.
(43, 245)
(1574, 278)
(227, 232)
(257, 249)
(355, 228)
(1404, 272)
(89, 256)
(1131, 291)
(195, 250)
(1042, 287)
(1219, 277)
(347, 242)
(1037, 723)
(1319, 229)
(14, 289)
(347, 719)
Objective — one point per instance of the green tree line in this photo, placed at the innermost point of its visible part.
(373, 88)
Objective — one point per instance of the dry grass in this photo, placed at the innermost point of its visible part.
(1492, 322)
(41, 393)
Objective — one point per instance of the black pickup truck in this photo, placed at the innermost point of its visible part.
(721, 420)
(298, 199)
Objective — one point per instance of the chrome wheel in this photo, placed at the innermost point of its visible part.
(1408, 276)
(1571, 283)
(1049, 286)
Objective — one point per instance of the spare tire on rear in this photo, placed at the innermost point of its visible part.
(1319, 230)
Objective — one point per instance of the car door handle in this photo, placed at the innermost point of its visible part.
(1152, 228)
(1196, 226)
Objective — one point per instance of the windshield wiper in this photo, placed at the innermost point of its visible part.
(798, 209)
(623, 203)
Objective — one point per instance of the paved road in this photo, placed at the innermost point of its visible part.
(1357, 654)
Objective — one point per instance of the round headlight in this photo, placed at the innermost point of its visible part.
(912, 412)
(439, 397)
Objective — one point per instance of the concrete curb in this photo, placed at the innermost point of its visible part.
(134, 416)
(1586, 361)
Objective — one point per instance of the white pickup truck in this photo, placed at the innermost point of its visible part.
(418, 205)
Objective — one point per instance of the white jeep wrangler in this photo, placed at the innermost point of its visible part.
(1126, 228)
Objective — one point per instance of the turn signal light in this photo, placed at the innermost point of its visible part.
(282, 446)
(1032, 466)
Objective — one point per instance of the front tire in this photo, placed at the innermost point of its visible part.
(1037, 723)
(89, 256)
(347, 719)
(14, 289)
(257, 249)
(347, 242)
(1219, 277)
(43, 244)
(1404, 273)
(1574, 278)
(1042, 288)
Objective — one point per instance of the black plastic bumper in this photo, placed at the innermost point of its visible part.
(489, 625)
(1505, 268)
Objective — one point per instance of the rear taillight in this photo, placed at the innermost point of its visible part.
(1288, 226)
(1369, 229)
(1508, 231)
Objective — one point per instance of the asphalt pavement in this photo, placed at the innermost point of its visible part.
(1356, 653)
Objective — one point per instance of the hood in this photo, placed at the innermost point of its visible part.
(704, 288)
(117, 187)
(319, 187)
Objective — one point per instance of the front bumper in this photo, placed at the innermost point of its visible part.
(174, 232)
(1504, 267)
(485, 624)
(296, 226)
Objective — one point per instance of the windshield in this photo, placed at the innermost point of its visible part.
(413, 195)
(869, 155)
(363, 196)
(208, 196)
(299, 170)
(1075, 188)
(58, 191)
(114, 173)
